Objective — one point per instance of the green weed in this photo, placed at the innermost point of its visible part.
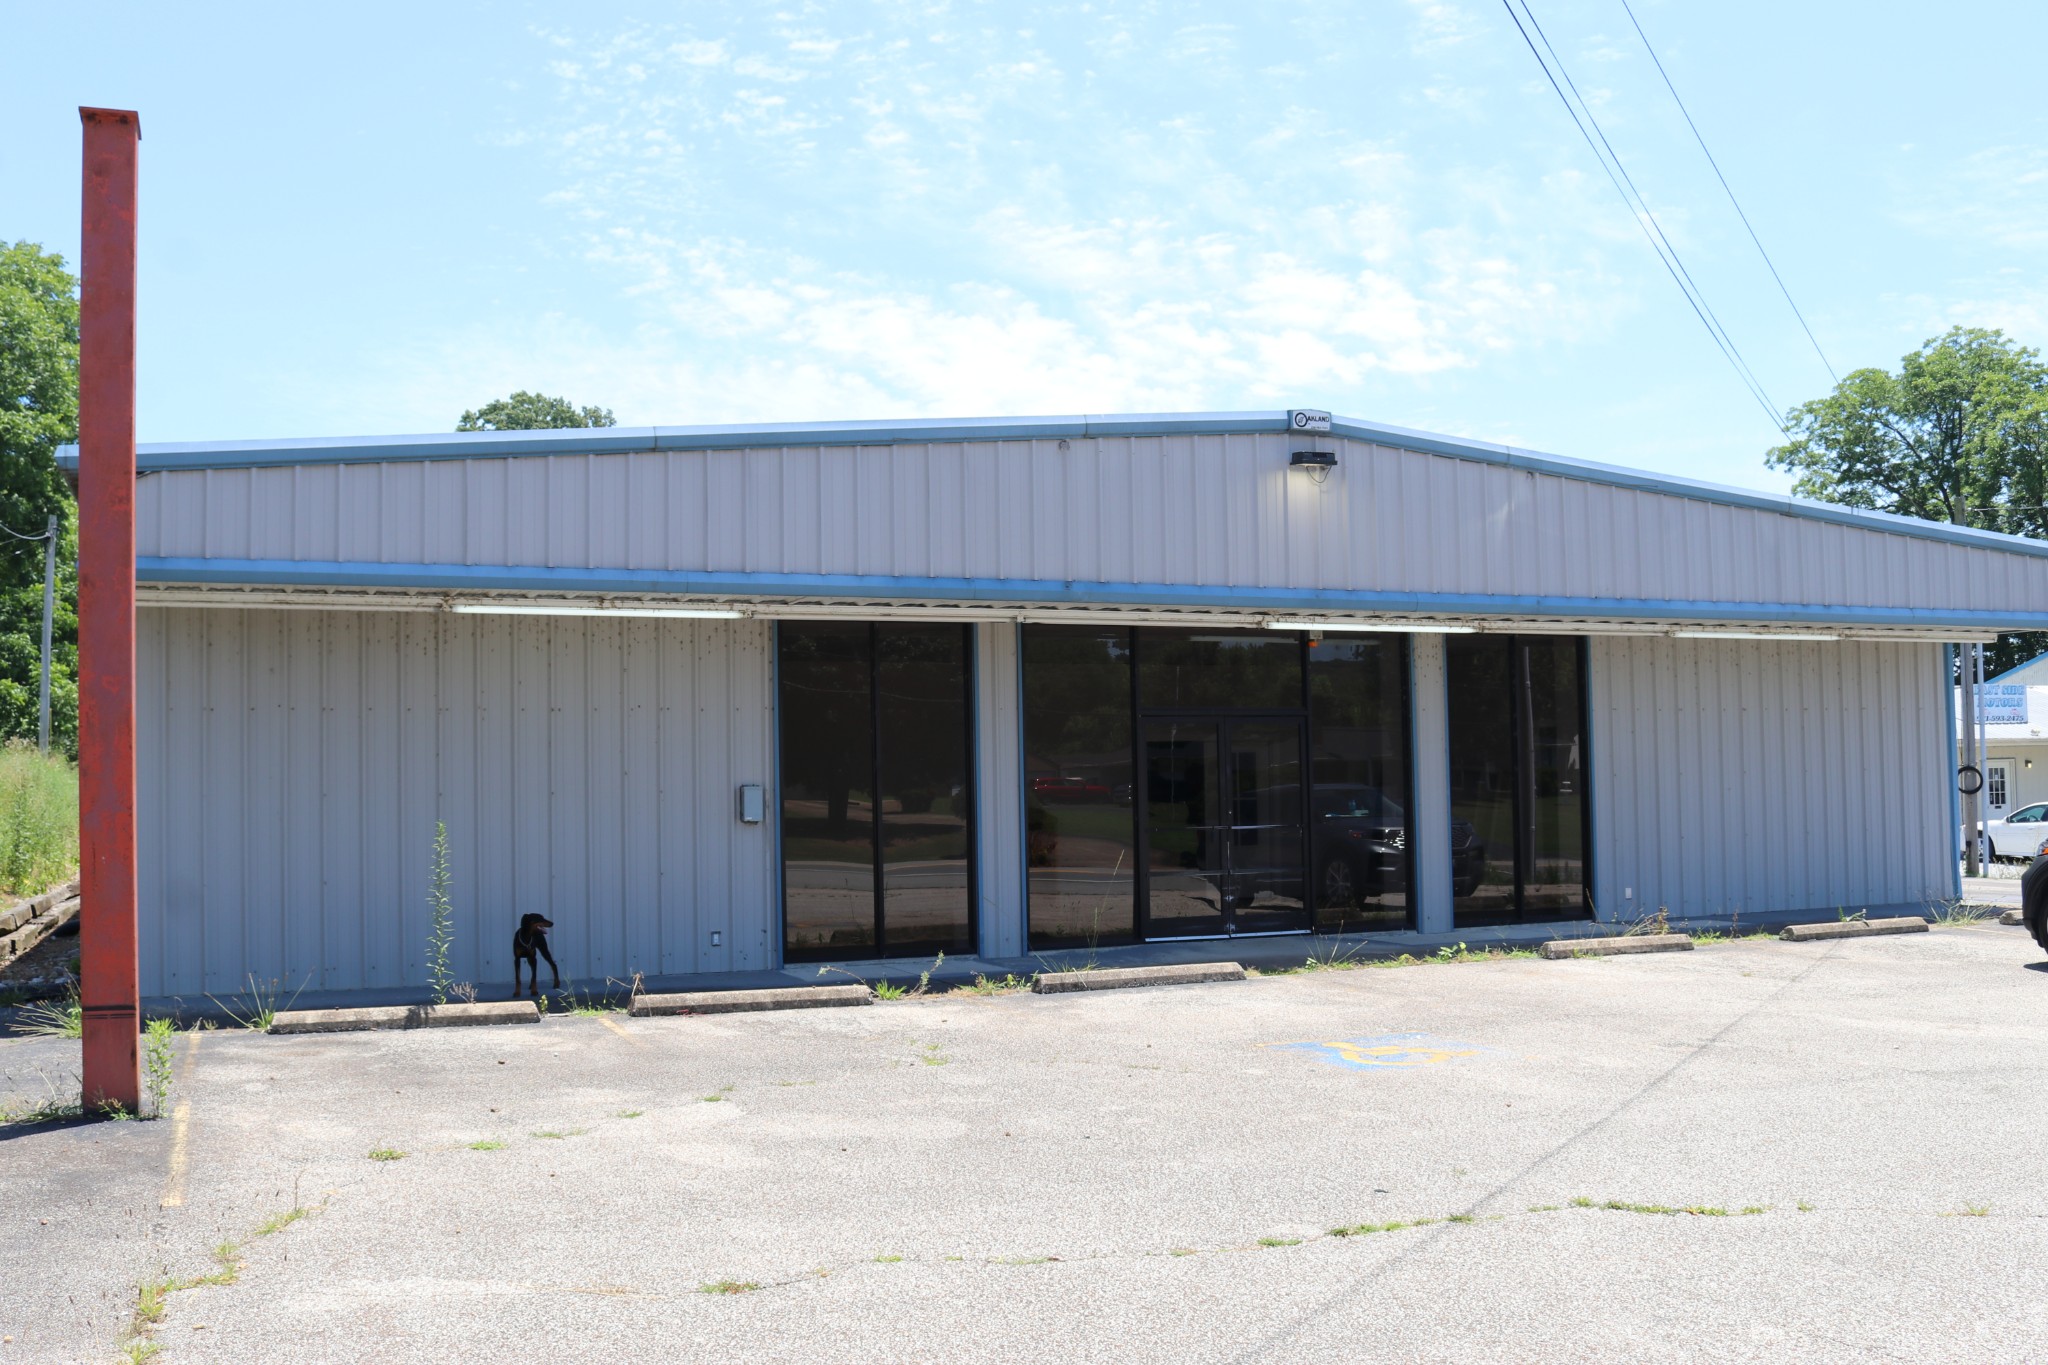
(262, 1008)
(1009, 984)
(440, 919)
(54, 1018)
(728, 1287)
(886, 1259)
(1280, 1241)
(38, 819)
(278, 1222)
(487, 1145)
(386, 1154)
(157, 1039)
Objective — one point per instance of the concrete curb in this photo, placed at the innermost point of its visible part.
(1853, 928)
(406, 1016)
(1126, 978)
(742, 1002)
(1610, 947)
(2013, 917)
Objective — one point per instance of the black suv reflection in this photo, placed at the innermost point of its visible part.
(1361, 847)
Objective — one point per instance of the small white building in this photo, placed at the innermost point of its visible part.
(719, 698)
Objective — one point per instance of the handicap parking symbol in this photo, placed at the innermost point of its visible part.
(1385, 1052)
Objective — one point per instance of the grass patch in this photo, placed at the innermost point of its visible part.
(886, 1259)
(1971, 1211)
(1805, 1207)
(278, 1222)
(386, 1154)
(728, 1287)
(1279, 1241)
(38, 819)
(1009, 984)
(931, 1056)
(884, 991)
(1956, 914)
(54, 1018)
(552, 1135)
(50, 1109)
(488, 1145)
(1367, 1229)
(1666, 1210)
(631, 1113)
(1461, 1218)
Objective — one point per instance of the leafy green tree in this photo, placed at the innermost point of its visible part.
(38, 412)
(1959, 434)
(525, 411)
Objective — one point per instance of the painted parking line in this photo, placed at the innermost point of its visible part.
(1384, 1052)
(181, 1132)
(619, 1029)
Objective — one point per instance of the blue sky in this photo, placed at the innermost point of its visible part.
(364, 219)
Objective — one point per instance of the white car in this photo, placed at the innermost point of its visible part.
(2018, 835)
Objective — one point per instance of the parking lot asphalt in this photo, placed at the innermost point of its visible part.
(1143, 1175)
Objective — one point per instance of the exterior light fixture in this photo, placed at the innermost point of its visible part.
(576, 609)
(1318, 463)
(1392, 627)
(1750, 635)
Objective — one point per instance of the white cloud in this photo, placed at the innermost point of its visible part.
(863, 222)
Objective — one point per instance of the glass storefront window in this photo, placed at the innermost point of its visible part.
(921, 676)
(868, 709)
(1080, 844)
(1270, 791)
(828, 813)
(1358, 756)
(1518, 783)
(1236, 670)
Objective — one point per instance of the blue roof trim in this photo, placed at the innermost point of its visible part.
(628, 440)
(1021, 591)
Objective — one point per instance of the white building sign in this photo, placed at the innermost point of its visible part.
(2002, 703)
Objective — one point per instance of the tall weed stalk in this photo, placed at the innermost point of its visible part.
(441, 921)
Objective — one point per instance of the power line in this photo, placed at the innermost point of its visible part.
(1639, 208)
(1768, 263)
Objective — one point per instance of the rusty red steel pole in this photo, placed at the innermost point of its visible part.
(109, 975)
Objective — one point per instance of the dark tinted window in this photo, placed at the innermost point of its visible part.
(921, 672)
(1358, 752)
(1219, 670)
(828, 813)
(1080, 845)
(1518, 782)
(864, 707)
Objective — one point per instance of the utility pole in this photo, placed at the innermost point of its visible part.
(49, 610)
(1965, 667)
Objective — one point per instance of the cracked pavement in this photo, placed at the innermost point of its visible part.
(1139, 1175)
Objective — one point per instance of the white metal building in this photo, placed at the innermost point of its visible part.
(998, 686)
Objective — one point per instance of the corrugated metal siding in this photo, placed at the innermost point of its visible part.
(1751, 776)
(292, 766)
(1207, 510)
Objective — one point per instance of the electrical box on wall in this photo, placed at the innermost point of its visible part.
(753, 804)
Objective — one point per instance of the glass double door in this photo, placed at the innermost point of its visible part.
(1222, 821)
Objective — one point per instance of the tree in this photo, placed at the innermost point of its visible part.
(1959, 434)
(38, 412)
(525, 411)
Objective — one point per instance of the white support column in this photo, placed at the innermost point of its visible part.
(999, 790)
(1431, 735)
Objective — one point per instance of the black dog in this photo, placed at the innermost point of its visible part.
(532, 938)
